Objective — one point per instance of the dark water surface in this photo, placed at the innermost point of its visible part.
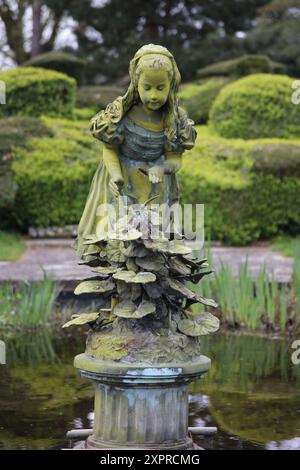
(252, 394)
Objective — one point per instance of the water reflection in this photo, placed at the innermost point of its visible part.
(252, 390)
(252, 394)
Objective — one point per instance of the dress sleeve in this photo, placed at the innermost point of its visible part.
(107, 126)
(186, 135)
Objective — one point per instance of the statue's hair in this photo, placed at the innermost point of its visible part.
(148, 56)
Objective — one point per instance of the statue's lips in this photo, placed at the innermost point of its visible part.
(154, 104)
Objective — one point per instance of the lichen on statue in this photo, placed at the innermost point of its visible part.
(141, 278)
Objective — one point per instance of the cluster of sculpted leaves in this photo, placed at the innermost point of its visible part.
(144, 274)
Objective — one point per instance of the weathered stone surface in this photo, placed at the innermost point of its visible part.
(141, 341)
(138, 406)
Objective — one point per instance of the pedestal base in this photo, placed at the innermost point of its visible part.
(140, 406)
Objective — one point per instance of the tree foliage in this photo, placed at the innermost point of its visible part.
(277, 33)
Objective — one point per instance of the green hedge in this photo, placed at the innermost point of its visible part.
(245, 198)
(60, 61)
(53, 174)
(32, 91)
(251, 189)
(241, 66)
(256, 106)
(197, 98)
(14, 132)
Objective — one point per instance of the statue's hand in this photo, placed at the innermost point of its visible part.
(155, 174)
(115, 184)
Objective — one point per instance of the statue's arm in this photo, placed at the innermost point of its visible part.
(112, 163)
(173, 162)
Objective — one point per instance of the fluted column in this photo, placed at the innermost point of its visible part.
(140, 407)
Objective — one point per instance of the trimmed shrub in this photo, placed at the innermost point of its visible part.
(245, 198)
(34, 91)
(60, 61)
(14, 131)
(251, 189)
(84, 114)
(241, 66)
(256, 106)
(197, 98)
(97, 97)
(53, 174)
(278, 159)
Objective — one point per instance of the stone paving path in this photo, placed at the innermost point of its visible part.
(57, 259)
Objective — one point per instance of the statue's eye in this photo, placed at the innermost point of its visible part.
(160, 87)
(147, 87)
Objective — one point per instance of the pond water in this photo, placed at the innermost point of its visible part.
(252, 394)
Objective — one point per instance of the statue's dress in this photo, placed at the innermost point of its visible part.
(137, 147)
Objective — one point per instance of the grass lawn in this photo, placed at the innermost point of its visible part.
(11, 246)
(286, 245)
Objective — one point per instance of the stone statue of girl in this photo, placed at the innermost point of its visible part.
(144, 134)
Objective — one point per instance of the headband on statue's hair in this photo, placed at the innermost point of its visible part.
(159, 50)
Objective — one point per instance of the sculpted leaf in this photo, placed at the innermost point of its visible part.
(105, 270)
(160, 244)
(95, 240)
(131, 265)
(153, 290)
(87, 287)
(204, 301)
(181, 288)
(82, 319)
(125, 235)
(113, 251)
(131, 276)
(130, 310)
(151, 263)
(139, 251)
(177, 265)
(163, 245)
(177, 247)
(202, 324)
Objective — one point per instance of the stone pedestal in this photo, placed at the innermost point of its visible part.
(139, 406)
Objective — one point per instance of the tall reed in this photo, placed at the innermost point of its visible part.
(29, 304)
(253, 303)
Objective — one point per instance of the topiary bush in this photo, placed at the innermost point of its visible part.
(53, 174)
(60, 61)
(197, 98)
(241, 66)
(248, 192)
(32, 91)
(256, 106)
(251, 189)
(14, 131)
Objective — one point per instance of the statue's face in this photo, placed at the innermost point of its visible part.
(153, 88)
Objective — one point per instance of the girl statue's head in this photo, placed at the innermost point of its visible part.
(154, 81)
(155, 65)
